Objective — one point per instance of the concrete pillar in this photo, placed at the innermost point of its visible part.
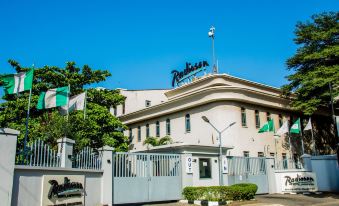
(225, 175)
(107, 184)
(307, 162)
(186, 172)
(8, 140)
(65, 150)
(270, 172)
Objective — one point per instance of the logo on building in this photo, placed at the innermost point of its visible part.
(188, 73)
(67, 189)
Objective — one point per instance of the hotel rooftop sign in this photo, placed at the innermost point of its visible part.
(188, 73)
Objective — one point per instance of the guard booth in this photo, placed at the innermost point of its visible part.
(146, 177)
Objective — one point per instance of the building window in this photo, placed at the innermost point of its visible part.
(243, 117)
(284, 159)
(139, 134)
(257, 119)
(130, 135)
(168, 127)
(260, 154)
(157, 129)
(205, 168)
(188, 123)
(246, 154)
(272, 154)
(268, 116)
(280, 120)
(147, 103)
(147, 130)
(123, 108)
(115, 110)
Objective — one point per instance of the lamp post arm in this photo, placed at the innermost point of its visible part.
(214, 127)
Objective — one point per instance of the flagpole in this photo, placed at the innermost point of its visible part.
(27, 118)
(69, 91)
(289, 140)
(302, 141)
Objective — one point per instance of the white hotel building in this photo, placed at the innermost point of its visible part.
(223, 99)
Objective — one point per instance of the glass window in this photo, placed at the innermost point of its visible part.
(246, 153)
(188, 123)
(157, 129)
(272, 154)
(130, 135)
(268, 116)
(147, 130)
(260, 154)
(205, 168)
(257, 119)
(280, 120)
(115, 110)
(123, 108)
(284, 159)
(243, 117)
(139, 134)
(247, 160)
(168, 127)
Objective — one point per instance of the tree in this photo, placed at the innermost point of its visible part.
(154, 141)
(99, 128)
(315, 64)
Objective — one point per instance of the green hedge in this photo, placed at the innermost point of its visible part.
(244, 191)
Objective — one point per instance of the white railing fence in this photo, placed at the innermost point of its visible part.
(39, 154)
(246, 165)
(87, 159)
(288, 164)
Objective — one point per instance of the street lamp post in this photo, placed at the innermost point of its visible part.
(221, 179)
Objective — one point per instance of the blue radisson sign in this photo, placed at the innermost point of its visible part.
(189, 71)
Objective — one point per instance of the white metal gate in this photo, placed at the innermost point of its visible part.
(248, 170)
(146, 177)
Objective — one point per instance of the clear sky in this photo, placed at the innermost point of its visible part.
(140, 42)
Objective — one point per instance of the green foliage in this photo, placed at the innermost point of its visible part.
(98, 129)
(154, 141)
(315, 64)
(244, 191)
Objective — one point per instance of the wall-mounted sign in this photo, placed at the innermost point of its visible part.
(298, 182)
(189, 161)
(189, 71)
(224, 165)
(63, 190)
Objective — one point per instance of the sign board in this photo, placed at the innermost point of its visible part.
(298, 182)
(190, 71)
(63, 190)
(224, 165)
(189, 165)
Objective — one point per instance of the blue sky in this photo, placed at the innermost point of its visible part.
(140, 42)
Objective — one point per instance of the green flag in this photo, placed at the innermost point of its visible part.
(268, 127)
(15, 83)
(53, 98)
(296, 127)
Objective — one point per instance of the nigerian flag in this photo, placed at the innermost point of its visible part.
(268, 127)
(296, 127)
(15, 83)
(53, 98)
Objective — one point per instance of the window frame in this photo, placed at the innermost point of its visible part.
(209, 168)
(147, 130)
(157, 129)
(243, 117)
(168, 126)
(139, 134)
(257, 118)
(188, 128)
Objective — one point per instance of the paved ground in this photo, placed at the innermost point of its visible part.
(278, 200)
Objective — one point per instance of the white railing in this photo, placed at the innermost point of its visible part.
(39, 154)
(87, 159)
(288, 164)
(246, 165)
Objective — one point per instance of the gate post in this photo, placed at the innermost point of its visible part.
(107, 176)
(8, 138)
(65, 150)
(186, 172)
(270, 173)
(307, 162)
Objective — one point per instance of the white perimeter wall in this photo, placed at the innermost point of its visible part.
(27, 185)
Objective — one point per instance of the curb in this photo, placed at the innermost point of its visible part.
(205, 202)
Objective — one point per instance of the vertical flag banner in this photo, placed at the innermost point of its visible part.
(15, 83)
(53, 98)
(296, 127)
(75, 103)
(309, 125)
(267, 127)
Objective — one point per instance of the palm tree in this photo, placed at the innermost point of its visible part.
(154, 141)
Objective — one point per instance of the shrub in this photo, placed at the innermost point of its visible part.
(244, 191)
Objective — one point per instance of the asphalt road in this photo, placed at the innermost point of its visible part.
(278, 200)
